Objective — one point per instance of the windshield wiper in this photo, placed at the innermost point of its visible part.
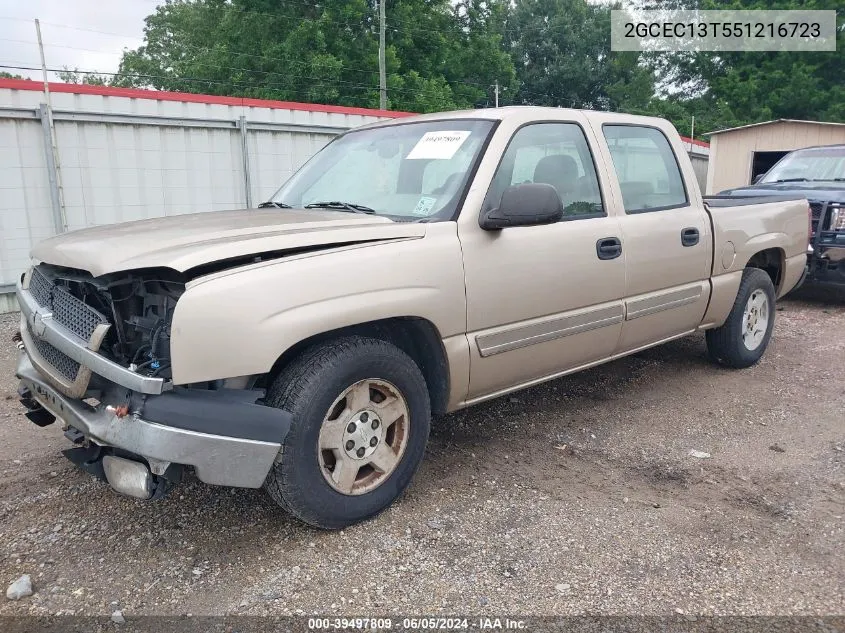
(340, 206)
(273, 203)
(792, 180)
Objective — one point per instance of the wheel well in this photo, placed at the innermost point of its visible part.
(417, 337)
(770, 260)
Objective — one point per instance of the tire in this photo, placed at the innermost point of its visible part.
(312, 388)
(732, 344)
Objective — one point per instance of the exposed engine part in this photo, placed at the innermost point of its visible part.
(140, 307)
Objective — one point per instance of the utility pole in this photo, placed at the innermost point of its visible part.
(496, 92)
(692, 131)
(58, 190)
(382, 70)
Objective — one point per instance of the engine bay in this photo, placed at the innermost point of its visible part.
(140, 307)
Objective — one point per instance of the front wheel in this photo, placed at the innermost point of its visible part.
(741, 341)
(361, 417)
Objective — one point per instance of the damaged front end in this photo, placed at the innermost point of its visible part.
(84, 333)
(95, 353)
(132, 310)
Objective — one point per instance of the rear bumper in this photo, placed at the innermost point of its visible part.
(217, 459)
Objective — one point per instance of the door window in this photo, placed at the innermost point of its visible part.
(556, 154)
(648, 171)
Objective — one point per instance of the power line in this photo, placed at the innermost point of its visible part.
(478, 86)
(325, 83)
(326, 80)
(453, 84)
(75, 28)
(328, 83)
(471, 84)
(229, 52)
(194, 80)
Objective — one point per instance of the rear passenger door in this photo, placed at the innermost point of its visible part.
(665, 233)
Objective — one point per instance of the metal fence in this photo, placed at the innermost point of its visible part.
(125, 154)
(129, 154)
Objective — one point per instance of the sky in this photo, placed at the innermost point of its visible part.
(83, 34)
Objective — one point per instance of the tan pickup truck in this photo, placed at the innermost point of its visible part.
(411, 268)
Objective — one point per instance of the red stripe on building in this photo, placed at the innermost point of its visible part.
(687, 139)
(187, 97)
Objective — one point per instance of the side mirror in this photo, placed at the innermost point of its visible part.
(757, 178)
(530, 204)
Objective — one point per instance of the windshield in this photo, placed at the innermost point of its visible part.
(820, 163)
(414, 171)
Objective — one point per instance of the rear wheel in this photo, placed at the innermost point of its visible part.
(361, 420)
(742, 340)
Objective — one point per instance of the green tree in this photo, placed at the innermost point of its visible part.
(439, 55)
(6, 75)
(561, 51)
(75, 77)
(736, 88)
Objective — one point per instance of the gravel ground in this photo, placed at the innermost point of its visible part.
(578, 496)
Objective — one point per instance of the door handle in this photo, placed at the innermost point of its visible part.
(609, 248)
(689, 237)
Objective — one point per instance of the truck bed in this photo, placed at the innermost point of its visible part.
(761, 225)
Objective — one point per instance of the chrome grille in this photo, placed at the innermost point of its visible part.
(79, 318)
(67, 375)
(40, 288)
(73, 313)
(64, 364)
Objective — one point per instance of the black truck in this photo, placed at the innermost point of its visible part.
(818, 174)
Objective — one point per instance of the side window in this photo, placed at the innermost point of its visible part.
(648, 171)
(556, 154)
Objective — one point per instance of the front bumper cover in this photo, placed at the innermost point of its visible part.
(828, 269)
(217, 459)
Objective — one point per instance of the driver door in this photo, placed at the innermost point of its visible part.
(542, 300)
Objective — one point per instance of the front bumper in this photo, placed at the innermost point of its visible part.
(217, 459)
(827, 268)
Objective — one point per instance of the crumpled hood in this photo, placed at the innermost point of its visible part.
(183, 242)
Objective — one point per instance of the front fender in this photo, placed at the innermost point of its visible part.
(239, 322)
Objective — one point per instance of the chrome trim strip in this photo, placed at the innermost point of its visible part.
(566, 372)
(558, 327)
(43, 326)
(219, 460)
(666, 301)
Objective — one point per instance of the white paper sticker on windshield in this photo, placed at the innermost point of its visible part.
(424, 206)
(438, 145)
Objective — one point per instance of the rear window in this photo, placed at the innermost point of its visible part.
(647, 169)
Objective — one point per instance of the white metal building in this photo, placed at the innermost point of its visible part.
(126, 154)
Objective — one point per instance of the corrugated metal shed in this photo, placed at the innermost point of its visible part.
(733, 151)
(127, 154)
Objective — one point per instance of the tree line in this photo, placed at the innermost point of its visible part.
(452, 54)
